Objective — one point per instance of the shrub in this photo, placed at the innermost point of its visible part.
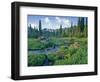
(80, 57)
(74, 55)
(35, 44)
(36, 60)
(52, 57)
(60, 62)
(71, 50)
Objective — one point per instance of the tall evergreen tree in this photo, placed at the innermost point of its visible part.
(86, 27)
(80, 27)
(40, 28)
(79, 24)
(60, 30)
(30, 27)
(72, 29)
(30, 30)
(82, 24)
(86, 22)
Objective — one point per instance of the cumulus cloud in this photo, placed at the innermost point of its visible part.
(58, 19)
(47, 20)
(57, 27)
(67, 22)
(48, 23)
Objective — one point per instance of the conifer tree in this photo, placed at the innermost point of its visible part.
(40, 28)
(60, 30)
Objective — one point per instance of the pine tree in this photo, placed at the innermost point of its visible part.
(60, 30)
(86, 22)
(30, 31)
(80, 27)
(40, 28)
(79, 24)
(82, 24)
(86, 27)
(72, 29)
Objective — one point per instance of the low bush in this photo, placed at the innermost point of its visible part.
(36, 60)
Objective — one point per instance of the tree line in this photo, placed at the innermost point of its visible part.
(79, 30)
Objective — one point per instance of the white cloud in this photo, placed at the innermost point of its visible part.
(58, 19)
(47, 23)
(57, 27)
(63, 21)
(67, 22)
(47, 20)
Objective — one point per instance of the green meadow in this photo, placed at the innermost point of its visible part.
(63, 46)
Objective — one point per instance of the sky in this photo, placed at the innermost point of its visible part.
(51, 22)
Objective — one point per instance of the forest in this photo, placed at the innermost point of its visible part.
(61, 46)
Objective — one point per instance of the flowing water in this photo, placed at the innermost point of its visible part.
(45, 52)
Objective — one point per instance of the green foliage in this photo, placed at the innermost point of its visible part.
(75, 54)
(52, 57)
(49, 44)
(42, 44)
(36, 60)
(35, 44)
(80, 57)
(39, 44)
(60, 62)
(32, 33)
(79, 30)
(71, 50)
(72, 43)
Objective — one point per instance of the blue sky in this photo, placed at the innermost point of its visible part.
(51, 22)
